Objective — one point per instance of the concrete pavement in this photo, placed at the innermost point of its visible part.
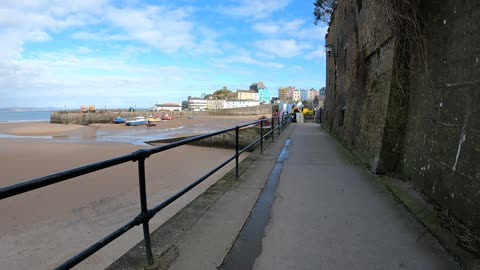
(329, 213)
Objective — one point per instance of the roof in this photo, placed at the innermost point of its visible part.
(246, 91)
(168, 105)
(243, 100)
(260, 85)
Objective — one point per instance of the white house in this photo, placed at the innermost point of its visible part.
(197, 104)
(167, 107)
(230, 104)
(296, 95)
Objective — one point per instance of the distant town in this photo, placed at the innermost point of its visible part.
(257, 94)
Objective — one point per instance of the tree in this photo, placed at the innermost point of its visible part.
(324, 10)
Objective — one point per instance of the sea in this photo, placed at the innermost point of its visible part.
(16, 116)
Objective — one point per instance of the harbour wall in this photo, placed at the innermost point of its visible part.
(107, 116)
(226, 140)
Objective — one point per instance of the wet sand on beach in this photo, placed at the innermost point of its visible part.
(47, 129)
(42, 228)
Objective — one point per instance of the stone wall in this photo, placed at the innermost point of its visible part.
(107, 116)
(264, 109)
(358, 79)
(422, 126)
(246, 136)
(441, 153)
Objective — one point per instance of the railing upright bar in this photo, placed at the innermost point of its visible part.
(143, 206)
(279, 125)
(237, 129)
(261, 136)
(283, 122)
(273, 130)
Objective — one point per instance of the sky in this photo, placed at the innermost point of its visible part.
(68, 53)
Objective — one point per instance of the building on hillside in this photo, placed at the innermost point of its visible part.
(282, 93)
(263, 93)
(254, 87)
(311, 94)
(197, 104)
(296, 95)
(167, 107)
(321, 92)
(318, 101)
(264, 96)
(216, 104)
(247, 95)
(184, 104)
(286, 93)
(230, 104)
(303, 95)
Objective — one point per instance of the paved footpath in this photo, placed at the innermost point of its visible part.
(329, 213)
(319, 209)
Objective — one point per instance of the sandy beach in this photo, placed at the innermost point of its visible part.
(45, 227)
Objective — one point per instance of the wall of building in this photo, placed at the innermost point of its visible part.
(422, 126)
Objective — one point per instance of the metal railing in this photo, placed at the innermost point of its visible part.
(277, 123)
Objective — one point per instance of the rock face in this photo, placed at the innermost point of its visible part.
(415, 114)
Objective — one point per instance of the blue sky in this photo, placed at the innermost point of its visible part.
(57, 53)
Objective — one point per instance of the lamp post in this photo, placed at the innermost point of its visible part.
(329, 49)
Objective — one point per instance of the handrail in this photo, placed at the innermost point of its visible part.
(140, 156)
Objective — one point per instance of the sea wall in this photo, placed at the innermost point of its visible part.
(264, 109)
(107, 116)
(411, 113)
(226, 140)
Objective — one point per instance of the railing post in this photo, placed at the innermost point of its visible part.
(283, 122)
(261, 136)
(273, 130)
(236, 150)
(143, 206)
(279, 124)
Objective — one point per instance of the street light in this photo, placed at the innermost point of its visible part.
(329, 50)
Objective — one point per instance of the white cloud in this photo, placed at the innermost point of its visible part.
(295, 28)
(285, 48)
(55, 79)
(84, 50)
(317, 54)
(159, 27)
(255, 9)
(244, 57)
(267, 28)
(99, 36)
